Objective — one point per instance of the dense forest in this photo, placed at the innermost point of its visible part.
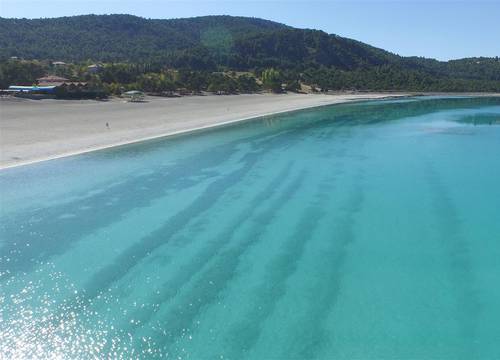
(220, 54)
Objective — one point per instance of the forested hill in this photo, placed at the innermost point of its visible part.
(205, 43)
(122, 37)
(200, 42)
(220, 43)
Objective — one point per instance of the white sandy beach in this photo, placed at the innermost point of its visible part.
(32, 130)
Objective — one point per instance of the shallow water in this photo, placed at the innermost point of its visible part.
(368, 230)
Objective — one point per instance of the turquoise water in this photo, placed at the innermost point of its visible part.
(368, 231)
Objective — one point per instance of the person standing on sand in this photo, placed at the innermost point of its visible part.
(107, 125)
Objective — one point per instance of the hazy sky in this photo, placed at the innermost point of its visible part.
(444, 29)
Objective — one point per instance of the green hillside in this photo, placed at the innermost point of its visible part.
(120, 37)
(226, 43)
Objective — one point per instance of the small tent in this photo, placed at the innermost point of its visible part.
(134, 95)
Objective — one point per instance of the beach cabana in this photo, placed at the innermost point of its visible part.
(134, 95)
(94, 68)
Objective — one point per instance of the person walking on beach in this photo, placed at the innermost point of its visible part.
(107, 125)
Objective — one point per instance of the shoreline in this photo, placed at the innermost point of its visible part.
(165, 135)
(75, 126)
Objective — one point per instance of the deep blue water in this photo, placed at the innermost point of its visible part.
(367, 231)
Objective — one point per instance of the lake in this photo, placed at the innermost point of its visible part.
(366, 230)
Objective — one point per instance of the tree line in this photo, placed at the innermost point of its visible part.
(116, 78)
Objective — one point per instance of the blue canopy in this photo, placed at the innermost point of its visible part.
(46, 89)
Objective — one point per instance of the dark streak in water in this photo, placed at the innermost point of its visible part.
(186, 273)
(132, 255)
(215, 279)
(245, 334)
(458, 256)
(313, 336)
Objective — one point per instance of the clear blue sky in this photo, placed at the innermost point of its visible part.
(446, 29)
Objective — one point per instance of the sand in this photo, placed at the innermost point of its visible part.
(37, 130)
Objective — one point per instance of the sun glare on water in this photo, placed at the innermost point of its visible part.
(35, 323)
